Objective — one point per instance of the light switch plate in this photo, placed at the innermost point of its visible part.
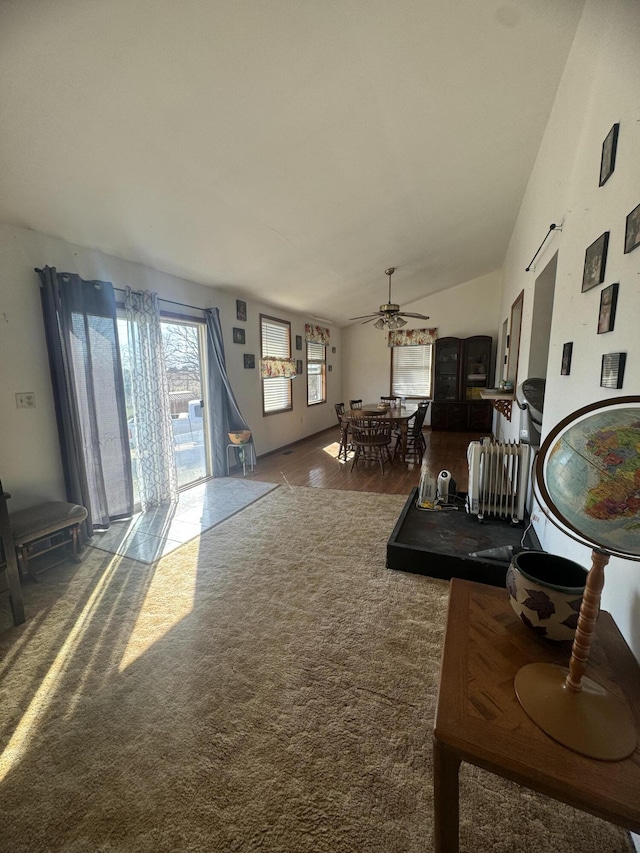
(25, 400)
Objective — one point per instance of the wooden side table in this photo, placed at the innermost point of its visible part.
(479, 719)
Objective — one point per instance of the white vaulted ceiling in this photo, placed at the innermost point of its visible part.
(289, 149)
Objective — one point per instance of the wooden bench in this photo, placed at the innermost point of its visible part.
(45, 528)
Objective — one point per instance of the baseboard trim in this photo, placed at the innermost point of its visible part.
(297, 442)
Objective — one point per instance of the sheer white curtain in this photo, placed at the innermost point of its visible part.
(157, 474)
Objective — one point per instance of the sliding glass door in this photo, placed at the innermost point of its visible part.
(183, 344)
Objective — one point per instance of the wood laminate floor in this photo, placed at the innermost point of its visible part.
(314, 462)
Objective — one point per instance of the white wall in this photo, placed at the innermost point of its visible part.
(469, 309)
(599, 87)
(30, 466)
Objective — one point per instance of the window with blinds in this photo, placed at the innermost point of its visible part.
(316, 373)
(411, 371)
(275, 342)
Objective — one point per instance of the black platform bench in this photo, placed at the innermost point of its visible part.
(438, 544)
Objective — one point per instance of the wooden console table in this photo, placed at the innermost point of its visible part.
(479, 719)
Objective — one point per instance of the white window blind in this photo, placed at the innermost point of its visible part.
(411, 371)
(316, 358)
(276, 342)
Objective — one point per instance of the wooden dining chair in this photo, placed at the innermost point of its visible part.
(371, 440)
(416, 445)
(345, 446)
(390, 400)
(355, 404)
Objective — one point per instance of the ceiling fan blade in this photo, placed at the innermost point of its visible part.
(370, 320)
(364, 316)
(409, 314)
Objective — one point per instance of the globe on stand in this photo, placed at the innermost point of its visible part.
(587, 474)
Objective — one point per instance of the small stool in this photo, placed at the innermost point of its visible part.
(243, 455)
(55, 521)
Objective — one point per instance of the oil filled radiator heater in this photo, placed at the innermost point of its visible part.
(498, 479)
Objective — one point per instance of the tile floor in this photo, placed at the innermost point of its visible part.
(150, 535)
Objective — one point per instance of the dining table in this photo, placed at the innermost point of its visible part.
(398, 416)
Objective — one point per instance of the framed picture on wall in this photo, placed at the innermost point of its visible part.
(298, 341)
(567, 351)
(608, 303)
(299, 367)
(612, 373)
(595, 261)
(608, 159)
(632, 230)
(238, 335)
(249, 360)
(241, 310)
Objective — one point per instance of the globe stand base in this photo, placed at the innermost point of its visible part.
(592, 721)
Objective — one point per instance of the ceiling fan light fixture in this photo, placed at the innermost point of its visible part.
(389, 314)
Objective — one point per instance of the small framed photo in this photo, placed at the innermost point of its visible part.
(238, 335)
(567, 351)
(333, 350)
(632, 231)
(249, 361)
(241, 310)
(329, 367)
(298, 341)
(608, 159)
(612, 374)
(608, 303)
(299, 367)
(595, 261)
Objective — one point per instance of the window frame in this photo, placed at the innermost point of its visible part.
(279, 321)
(425, 396)
(323, 372)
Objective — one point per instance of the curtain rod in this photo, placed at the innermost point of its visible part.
(169, 301)
(552, 227)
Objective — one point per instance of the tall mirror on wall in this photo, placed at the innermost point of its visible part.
(515, 328)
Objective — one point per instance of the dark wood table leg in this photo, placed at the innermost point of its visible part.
(446, 764)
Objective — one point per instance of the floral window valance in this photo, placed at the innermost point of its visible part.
(412, 337)
(317, 334)
(277, 368)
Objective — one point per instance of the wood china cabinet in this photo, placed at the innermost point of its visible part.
(462, 370)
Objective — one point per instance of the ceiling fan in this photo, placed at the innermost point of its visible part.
(390, 314)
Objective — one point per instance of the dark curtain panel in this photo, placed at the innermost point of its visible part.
(88, 388)
(224, 414)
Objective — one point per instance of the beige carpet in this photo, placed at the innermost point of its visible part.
(269, 686)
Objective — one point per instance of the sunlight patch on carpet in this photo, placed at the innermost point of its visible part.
(48, 687)
(155, 618)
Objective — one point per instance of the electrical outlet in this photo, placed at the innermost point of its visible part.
(25, 400)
